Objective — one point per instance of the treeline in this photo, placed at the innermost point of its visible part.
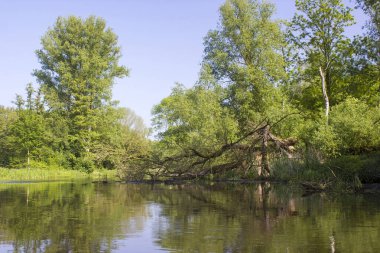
(70, 120)
(284, 99)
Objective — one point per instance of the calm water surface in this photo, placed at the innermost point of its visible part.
(87, 217)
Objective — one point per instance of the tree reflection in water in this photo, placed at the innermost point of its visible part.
(264, 217)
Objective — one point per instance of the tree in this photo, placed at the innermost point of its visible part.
(7, 117)
(245, 54)
(27, 134)
(372, 8)
(364, 66)
(123, 142)
(357, 126)
(192, 128)
(228, 120)
(79, 63)
(318, 34)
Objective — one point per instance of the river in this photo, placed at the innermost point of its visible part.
(222, 217)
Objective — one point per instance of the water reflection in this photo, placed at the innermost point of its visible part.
(86, 217)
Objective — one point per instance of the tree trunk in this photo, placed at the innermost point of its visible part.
(264, 152)
(258, 164)
(324, 92)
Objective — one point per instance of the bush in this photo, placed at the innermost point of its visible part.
(354, 123)
(326, 140)
(84, 164)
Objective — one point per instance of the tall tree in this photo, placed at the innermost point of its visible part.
(245, 54)
(317, 31)
(225, 121)
(79, 63)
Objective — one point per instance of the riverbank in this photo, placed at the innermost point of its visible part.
(37, 174)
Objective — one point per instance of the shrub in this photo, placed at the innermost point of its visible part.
(354, 123)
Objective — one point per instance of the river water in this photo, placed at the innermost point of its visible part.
(91, 217)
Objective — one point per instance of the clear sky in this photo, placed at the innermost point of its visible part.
(162, 42)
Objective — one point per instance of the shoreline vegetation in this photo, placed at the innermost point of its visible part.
(296, 101)
(53, 174)
(33, 175)
(360, 173)
(308, 179)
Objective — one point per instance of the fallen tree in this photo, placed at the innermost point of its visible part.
(251, 152)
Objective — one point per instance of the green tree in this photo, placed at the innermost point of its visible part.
(7, 117)
(372, 9)
(361, 74)
(317, 31)
(192, 128)
(123, 142)
(224, 121)
(364, 65)
(357, 126)
(27, 134)
(79, 63)
(245, 54)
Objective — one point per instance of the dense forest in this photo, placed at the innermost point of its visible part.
(295, 99)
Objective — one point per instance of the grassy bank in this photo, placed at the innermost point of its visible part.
(37, 174)
(348, 171)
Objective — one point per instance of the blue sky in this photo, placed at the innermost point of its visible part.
(162, 42)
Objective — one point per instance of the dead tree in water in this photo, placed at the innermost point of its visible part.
(241, 154)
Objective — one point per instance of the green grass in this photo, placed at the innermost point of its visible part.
(352, 170)
(104, 175)
(37, 174)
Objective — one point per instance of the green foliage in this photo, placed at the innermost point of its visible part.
(356, 124)
(244, 80)
(362, 74)
(372, 9)
(317, 35)
(339, 151)
(345, 170)
(209, 128)
(38, 172)
(194, 118)
(244, 52)
(85, 164)
(258, 98)
(26, 135)
(322, 137)
(7, 117)
(70, 121)
(79, 62)
(353, 128)
(125, 142)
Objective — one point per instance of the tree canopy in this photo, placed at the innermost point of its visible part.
(71, 119)
(273, 99)
(267, 83)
